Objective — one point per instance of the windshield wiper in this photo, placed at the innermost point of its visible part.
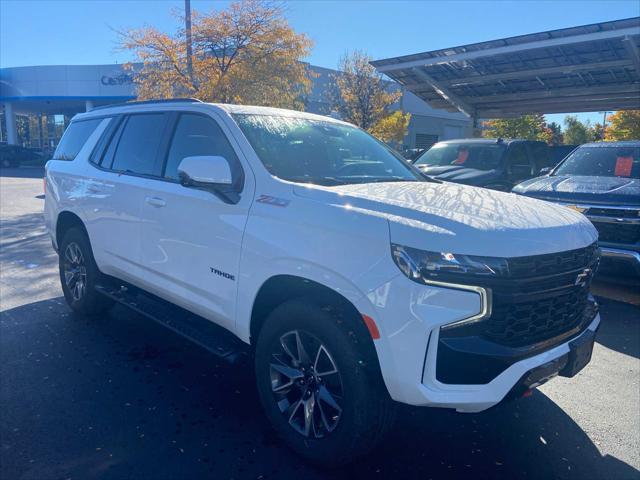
(324, 181)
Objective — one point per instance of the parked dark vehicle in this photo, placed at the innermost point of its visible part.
(601, 180)
(13, 155)
(496, 164)
(411, 154)
(557, 153)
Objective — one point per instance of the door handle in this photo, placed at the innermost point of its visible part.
(155, 202)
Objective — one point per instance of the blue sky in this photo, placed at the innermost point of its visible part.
(36, 32)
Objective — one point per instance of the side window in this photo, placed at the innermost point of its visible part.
(197, 135)
(540, 154)
(139, 145)
(518, 164)
(74, 138)
(106, 159)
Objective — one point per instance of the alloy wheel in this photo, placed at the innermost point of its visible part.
(306, 384)
(75, 271)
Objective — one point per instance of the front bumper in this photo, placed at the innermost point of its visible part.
(410, 317)
(613, 257)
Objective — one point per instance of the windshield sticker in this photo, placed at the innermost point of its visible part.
(623, 166)
(463, 154)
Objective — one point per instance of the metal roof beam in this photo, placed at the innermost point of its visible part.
(517, 110)
(536, 72)
(632, 49)
(553, 42)
(454, 100)
(566, 92)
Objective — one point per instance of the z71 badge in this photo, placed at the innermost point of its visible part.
(275, 201)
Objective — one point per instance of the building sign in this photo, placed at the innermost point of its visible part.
(119, 78)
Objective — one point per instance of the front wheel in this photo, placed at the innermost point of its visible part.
(323, 400)
(79, 274)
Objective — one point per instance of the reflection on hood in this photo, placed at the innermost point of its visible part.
(463, 219)
(605, 190)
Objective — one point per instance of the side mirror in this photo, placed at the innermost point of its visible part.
(545, 170)
(205, 171)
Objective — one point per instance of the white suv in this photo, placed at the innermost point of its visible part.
(354, 280)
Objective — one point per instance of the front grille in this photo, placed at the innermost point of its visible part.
(625, 233)
(542, 298)
(552, 263)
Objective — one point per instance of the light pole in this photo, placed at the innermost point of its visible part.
(187, 24)
(604, 122)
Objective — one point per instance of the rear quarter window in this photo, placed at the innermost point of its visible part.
(74, 138)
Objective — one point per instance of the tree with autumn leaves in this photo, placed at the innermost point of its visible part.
(623, 125)
(361, 96)
(245, 54)
(249, 54)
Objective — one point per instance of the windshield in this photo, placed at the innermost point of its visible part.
(602, 162)
(321, 152)
(480, 156)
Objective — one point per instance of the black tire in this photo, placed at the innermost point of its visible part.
(80, 292)
(367, 411)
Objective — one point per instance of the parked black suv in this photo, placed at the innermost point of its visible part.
(13, 155)
(601, 180)
(497, 164)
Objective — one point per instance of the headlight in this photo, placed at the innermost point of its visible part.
(421, 265)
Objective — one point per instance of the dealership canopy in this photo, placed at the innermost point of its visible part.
(580, 69)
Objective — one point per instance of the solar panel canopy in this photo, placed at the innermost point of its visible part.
(580, 69)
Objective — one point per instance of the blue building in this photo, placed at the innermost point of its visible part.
(39, 101)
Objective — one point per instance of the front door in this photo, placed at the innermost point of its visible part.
(191, 239)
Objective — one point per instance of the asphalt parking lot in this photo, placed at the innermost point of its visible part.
(120, 397)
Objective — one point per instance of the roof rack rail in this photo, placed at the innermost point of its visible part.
(145, 102)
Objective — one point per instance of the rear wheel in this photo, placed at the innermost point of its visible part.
(323, 400)
(79, 274)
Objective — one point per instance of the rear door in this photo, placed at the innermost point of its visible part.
(519, 164)
(123, 165)
(191, 239)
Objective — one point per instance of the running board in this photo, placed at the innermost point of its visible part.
(199, 330)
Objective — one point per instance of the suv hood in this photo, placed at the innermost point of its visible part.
(599, 190)
(460, 219)
(459, 173)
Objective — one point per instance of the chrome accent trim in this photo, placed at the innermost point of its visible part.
(592, 205)
(615, 220)
(625, 255)
(485, 301)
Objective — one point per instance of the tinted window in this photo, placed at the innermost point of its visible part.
(74, 138)
(541, 154)
(137, 149)
(481, 156)
(518, 155)
(197, 135)
(602, 162)
(107, 156)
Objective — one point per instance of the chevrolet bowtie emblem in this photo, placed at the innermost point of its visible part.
(581, 279)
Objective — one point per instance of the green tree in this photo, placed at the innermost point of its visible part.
(625, 125)
(577, 132)
(529, 127)
(246, 53)
(556, 133)
(359, 94)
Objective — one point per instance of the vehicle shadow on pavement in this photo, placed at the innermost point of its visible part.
(619, 329)
(121, 397)
(26, 172)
